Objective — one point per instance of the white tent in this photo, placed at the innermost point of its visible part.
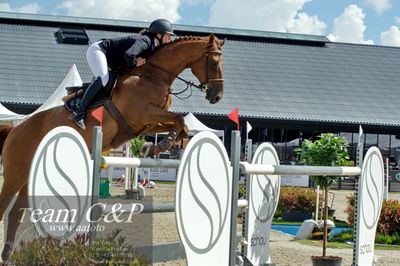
(195, 126)
(73, 78)
(8, 117)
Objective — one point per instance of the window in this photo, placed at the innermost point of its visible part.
(68, 35)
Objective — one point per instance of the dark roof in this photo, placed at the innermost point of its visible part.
(268, 75)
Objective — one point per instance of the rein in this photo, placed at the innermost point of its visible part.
(203, 87)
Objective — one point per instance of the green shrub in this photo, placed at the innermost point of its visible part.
(297, 199)
(393, 239)
(389, 220)
(49, 251)
(343, 236)
(241, 190)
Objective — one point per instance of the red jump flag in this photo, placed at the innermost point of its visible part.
(98, 114)
(234, 116)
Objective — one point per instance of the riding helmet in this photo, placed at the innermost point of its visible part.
(161, 26)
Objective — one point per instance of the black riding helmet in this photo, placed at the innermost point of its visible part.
(162, 26)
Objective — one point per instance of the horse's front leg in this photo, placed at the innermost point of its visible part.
(155, 115)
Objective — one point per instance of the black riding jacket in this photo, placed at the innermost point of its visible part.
(124, 51)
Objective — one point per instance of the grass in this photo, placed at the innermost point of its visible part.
(318, 243)
(165, 182)
(280, 221)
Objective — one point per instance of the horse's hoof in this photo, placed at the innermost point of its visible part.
(5, 255)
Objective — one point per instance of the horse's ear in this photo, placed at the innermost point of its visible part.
(211, 38)
(221, 43)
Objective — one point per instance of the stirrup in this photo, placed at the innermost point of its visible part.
(79, 119)
(80, 122)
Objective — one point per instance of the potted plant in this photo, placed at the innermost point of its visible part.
(329, 150)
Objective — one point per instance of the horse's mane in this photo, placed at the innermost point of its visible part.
(179, 40)
(182, 39)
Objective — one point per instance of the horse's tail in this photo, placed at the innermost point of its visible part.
(4, 130)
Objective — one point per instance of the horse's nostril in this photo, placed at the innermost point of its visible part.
(217, 98)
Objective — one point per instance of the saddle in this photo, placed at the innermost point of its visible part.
(103, 98)
(75, 94)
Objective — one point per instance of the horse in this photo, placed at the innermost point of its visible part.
(141, 96)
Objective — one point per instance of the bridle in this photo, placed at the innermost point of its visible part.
(203, 87)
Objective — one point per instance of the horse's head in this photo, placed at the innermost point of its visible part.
(209, 70)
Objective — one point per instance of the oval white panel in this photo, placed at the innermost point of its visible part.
(203, 201)
(263, 199)
(60, 184)
(370, 198)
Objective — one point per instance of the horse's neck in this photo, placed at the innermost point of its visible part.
(176, 57)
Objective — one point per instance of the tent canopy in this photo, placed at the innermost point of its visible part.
(8, 117)
(195, 126)
(71, 79)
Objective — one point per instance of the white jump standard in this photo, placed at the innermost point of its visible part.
(206, 200)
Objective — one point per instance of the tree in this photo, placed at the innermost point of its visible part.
(329, 150)
(136, 145)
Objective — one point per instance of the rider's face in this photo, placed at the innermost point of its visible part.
(166, 38)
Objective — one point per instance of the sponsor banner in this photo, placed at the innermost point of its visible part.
(294, 180)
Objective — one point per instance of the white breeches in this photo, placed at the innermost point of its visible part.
(97, 62)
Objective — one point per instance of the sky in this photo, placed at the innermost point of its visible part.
(354, 21)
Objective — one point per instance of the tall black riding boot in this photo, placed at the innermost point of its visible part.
(79, 116)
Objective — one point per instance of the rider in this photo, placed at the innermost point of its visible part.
(119, 52)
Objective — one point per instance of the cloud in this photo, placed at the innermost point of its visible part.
(137, 10)
(303, 23)
(349, 27)
(29, 8)
(391, 37)
(397, 20)
(5, 7)
(379, 5)
(268, 15)
(196, 2)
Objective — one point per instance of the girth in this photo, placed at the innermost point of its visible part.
(124, 130)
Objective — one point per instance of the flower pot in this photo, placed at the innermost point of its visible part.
(295, 216)
(326, 261)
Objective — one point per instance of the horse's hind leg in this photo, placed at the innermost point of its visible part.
(8, 191)
(13, 222)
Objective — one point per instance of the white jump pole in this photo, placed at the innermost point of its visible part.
(128, 169)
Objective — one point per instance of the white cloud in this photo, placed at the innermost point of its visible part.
(29, 8)
(5, 7)
(137, 10)
(268, 15)
(349, 27)
(379, 5)
(303, 23)
(397, 20)
(391, 37)
(195, 2)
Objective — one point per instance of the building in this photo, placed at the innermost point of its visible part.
(288, 86)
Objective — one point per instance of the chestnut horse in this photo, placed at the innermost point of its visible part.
(142, 97)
